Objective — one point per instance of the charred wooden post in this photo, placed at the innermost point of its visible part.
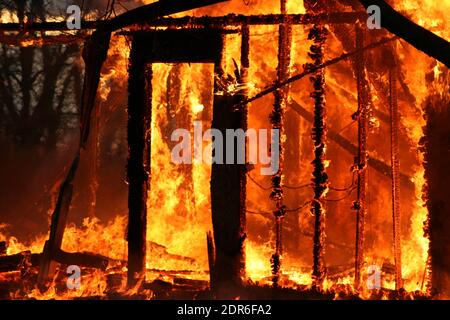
(318, 34)
(362, 157)
(245, 66)
(211, 258)
(3, 247)
(58, 225)
(139, 120)
(227, 187)
(277, 120)
(435, 146)
(395, 169)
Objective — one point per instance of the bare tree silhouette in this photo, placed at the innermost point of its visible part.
(39, 86)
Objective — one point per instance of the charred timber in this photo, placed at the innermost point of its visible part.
(138, 168)
(435, 146)
(206, 21)
(269, 19)
(147, 13)
(82, 259)
(421, 38)
(277, 121)
(95, 52)
(244, 80)
(18, 261)
(27, 259)
(318, 34)
(395, 169)
(155, 10)
(3, 247)
(211, 258)
(227, 190)
(361, 159)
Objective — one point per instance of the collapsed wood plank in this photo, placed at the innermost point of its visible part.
(82, 259)
(17, 261)
(27, 259)
(161, 252)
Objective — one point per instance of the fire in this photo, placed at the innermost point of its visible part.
(196, 106)
(428, 14)
(114, 73)
(179, 204)
(14, 246)
(179, 199)
(93, 236)
(8, 16)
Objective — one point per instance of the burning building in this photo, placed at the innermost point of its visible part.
(356, 207)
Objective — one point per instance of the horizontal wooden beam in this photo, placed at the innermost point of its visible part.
(146, 13)
(205, 21)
